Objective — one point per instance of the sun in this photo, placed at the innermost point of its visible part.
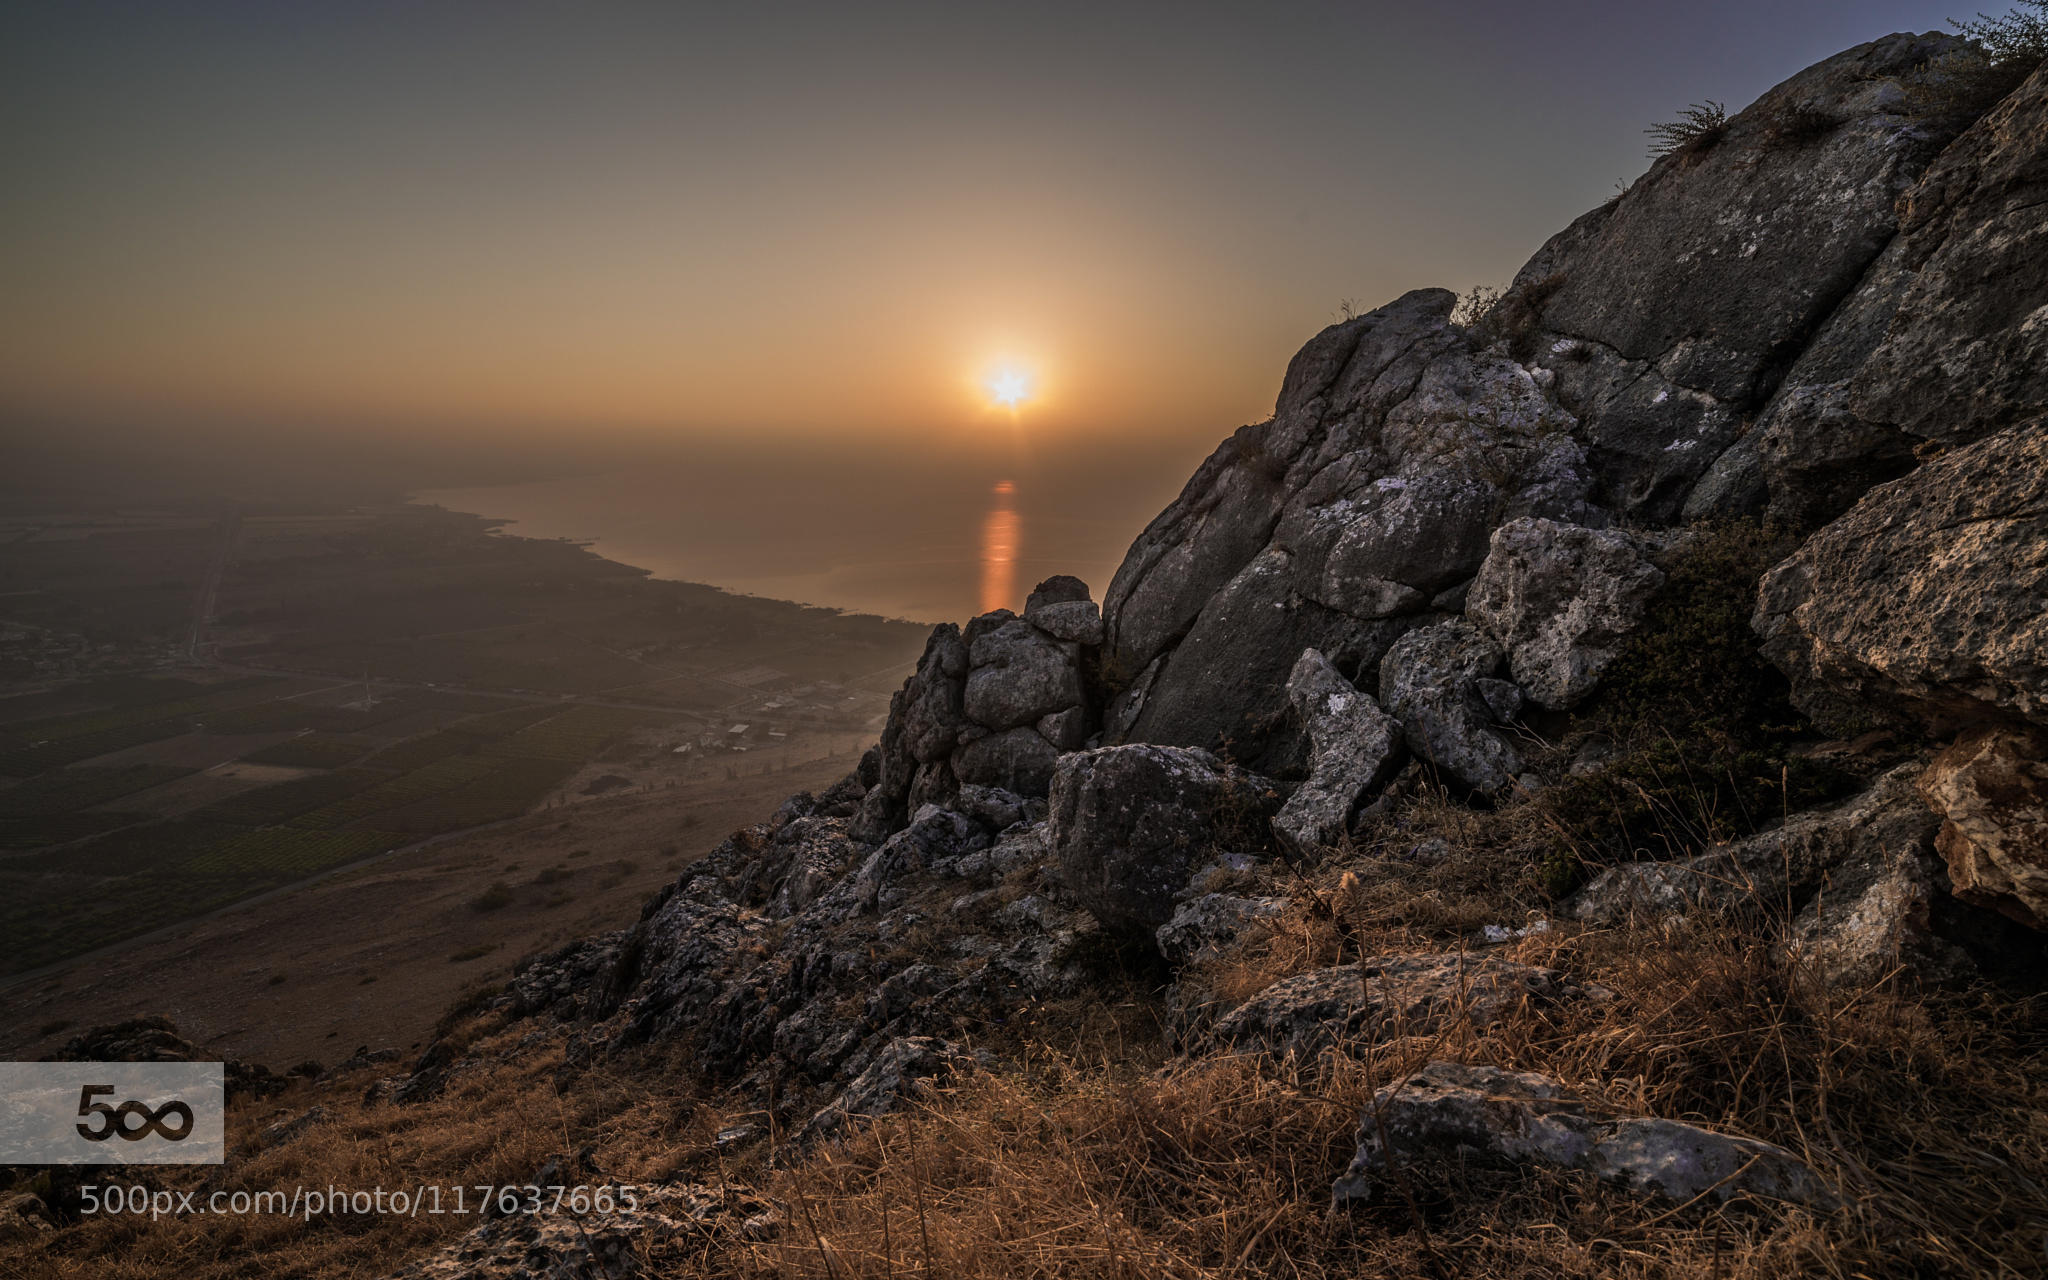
(1009, 387)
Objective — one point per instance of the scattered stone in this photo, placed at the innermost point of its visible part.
(1560, 598)
(1448, 1112)
(1439, 682)
(604, 1243)
(1384, 997)
(1205, 927)
(898, 1072)
(1858, 879)
(1355, 748)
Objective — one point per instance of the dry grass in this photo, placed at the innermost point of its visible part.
(1092, 1151)
(1927, 1113)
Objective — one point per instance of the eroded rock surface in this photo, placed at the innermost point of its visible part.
(1991, 788)
(1927, 597)
(1449, 1112)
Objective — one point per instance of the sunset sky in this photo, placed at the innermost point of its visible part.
(670, 221)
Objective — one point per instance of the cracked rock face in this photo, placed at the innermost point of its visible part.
(1560, 599)
(1991, 788)
(1449, 1112)
(1355, 747)
(1670, 315)
(1394, 449)
(1927, 596)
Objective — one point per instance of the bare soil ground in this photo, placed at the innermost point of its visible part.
(370, 956)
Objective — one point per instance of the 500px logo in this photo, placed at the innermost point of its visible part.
(112, 1113)
(117, 1117)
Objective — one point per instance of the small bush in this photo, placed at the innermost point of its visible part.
(554, 875)
(1698, 130)
(477, 952)
(1513, 316)
(494, 898)
(52, 1028)
(2018, 40)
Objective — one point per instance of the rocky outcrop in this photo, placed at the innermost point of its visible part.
(1670, 316)
(1559, 599)
(1394, 449)
(1448, 1113)
(1926, 597)
(1991, 788)
(1129, 824)
(1355, 748)
(1942, 340)
(994, 706)
(1440, 682)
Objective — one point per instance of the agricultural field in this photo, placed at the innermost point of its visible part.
(223, 698)
(94, 852)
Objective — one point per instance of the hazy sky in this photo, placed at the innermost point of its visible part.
(674, 219)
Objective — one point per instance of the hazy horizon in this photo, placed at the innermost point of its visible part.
(263, 248)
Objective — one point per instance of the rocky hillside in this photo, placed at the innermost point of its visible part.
(1602, 733)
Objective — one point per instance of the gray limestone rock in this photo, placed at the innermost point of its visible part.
(1559, 599)
(1355, 748)
(1439, 683)
(1448, 1112)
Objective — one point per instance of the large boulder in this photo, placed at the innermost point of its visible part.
(1940, 341)
(1926, 597)
(1449, 1113)
(1440, 683)
(1018, 674)
(1129, 824)
(1991, 788)
(1670, 315)
(1356, 749)
(1559, 599)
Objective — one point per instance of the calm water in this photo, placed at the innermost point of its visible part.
(935, 542)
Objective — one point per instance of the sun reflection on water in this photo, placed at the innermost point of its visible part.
(1000, 533)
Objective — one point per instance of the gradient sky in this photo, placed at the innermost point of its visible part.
(666, 221)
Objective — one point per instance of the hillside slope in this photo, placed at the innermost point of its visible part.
(1565, 795)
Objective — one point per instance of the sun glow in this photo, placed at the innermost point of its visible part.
(1009, 387)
